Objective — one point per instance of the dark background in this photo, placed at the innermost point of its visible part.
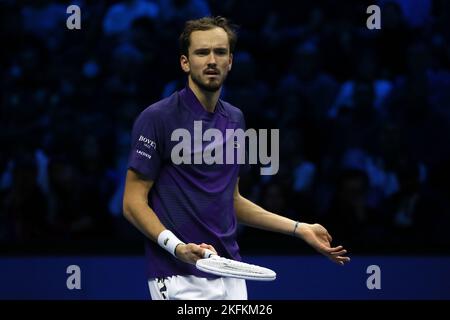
(363, 117)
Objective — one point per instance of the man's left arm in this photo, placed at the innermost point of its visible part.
(315, 235)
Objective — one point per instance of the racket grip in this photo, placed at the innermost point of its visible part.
(208, 253)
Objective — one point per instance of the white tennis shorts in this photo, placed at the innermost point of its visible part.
(196, 288)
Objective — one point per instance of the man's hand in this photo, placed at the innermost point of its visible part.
(191, 252)
(319, 238)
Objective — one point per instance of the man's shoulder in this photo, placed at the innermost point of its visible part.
(233, 112)
(162, 108)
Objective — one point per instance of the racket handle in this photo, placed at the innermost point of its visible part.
(208, 253)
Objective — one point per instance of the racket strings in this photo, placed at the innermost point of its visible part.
(223, 263)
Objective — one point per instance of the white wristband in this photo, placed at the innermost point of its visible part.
(168, 241)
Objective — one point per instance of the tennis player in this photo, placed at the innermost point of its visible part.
(185, 208)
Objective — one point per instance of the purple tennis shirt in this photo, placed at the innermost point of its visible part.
(194, 201)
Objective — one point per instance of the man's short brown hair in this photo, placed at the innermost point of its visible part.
(203, 24)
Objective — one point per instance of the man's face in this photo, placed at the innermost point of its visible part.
(209, 59)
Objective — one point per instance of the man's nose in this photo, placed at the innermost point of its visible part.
(211, 59)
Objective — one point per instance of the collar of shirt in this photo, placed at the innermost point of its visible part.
(190, 100)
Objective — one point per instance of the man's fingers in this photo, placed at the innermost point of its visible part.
(339, 253)
(335, 249)
(192, 252)
(336, 254)
(344, 259)
(341, 260)
(328, 250)
(208, 246)
(212, 249)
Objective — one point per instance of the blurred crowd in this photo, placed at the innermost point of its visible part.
(364, 115)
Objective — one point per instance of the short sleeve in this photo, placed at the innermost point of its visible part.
(146, 145)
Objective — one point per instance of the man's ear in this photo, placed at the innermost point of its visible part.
(184, 63)
(230, 62)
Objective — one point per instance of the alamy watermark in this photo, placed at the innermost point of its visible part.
(374, 280)
(234, 139)
(374, 20)
(74, 20)
(74, 280)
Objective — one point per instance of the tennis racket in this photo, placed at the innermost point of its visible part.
(220, 266)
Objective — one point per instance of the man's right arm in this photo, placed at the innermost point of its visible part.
(135, 206)
(137, 211)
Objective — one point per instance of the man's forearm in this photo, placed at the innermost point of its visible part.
(144, 219)
(253, 215)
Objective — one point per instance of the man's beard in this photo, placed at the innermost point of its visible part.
(210, 86)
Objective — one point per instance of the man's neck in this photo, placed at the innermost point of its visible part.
(207, 99)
